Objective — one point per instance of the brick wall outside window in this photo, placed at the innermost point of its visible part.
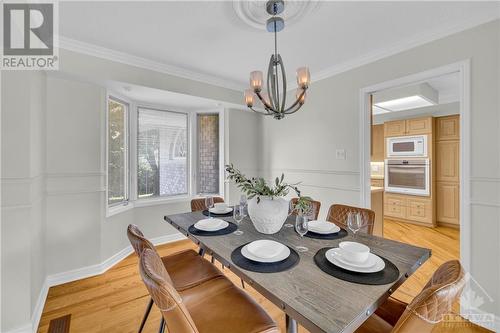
(208, 153)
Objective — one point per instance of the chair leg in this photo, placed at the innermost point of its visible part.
(146, 314)
(162, 325)
(243, 283)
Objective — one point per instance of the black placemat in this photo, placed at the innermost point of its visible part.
(205, 212)
(262, 267)
(341, 234)
(388, 275)
(227, 230)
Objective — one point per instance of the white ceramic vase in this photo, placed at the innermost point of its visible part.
(269, 215)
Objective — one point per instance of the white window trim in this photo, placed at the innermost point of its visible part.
(126, 204)
(132, 120)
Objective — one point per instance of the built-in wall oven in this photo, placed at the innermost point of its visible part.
(410, 176)
(407, 146)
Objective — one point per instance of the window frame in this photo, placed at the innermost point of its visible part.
(132, 156)
(125, 204)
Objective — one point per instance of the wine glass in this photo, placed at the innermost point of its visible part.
(291, 208)
(209, 203)
(244, 204)
(301, 226)
(238, 215)
(354, 222)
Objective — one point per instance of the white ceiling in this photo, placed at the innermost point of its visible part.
(210, 39)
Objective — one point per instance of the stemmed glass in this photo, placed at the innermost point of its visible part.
(238, 216)
(354, 222)
(209, 203)
(301, 226)
(291, 208)
(244, 204)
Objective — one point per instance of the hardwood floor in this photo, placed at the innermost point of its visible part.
(115, 301)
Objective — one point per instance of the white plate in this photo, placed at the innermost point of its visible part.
(334, 256)
(323, 227)
(225, 211)
(211, 224)
(282, 255)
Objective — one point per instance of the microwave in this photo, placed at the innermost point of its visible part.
(407, 146)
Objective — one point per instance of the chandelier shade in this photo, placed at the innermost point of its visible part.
(274, 100)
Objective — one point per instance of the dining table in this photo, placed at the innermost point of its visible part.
(309, 296)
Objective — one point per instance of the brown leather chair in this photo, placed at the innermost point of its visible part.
(212, 307)
(426, 311)
(187, 268)
(199, 204)
(316, 206)
(338, 215)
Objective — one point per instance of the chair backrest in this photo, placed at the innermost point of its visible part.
(338, 215)
(434, 301)
(199, 204)
(315, 207)
(164, 295)
(137, 239)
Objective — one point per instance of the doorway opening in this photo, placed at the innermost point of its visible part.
(414, 143)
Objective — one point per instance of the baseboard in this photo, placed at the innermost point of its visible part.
(82, 273)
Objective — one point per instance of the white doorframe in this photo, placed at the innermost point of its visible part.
(463, 69)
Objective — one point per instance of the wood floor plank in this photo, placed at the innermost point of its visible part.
(115, 301)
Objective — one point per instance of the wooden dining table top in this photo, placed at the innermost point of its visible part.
(315, 299)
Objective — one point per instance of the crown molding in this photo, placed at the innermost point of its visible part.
(136, 61)
(128, 59)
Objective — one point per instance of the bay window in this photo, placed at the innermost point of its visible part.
(173, 154)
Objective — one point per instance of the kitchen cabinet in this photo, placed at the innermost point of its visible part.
(408, 127)
(409, 208)
(447, 128)
(377, 143)
(419, 210)
(447, 161)
(448, 203)
(395, 128)
(448, 170)
(377, 182)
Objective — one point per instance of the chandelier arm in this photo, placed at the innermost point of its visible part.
(297, 108)
(297, 101)
(271, 83)
(282, 109)
(266, 105)
(260, 112)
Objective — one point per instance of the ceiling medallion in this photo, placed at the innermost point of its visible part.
(253, 13)
(274, 101)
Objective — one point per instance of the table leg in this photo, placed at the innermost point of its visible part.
(291, 325)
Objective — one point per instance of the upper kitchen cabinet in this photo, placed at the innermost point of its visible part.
(447, 128)
(408, 127)
(395, 128)
(419, 126)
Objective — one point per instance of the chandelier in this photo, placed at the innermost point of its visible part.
(274, 101)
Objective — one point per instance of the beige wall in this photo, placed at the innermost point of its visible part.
(303, 145)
